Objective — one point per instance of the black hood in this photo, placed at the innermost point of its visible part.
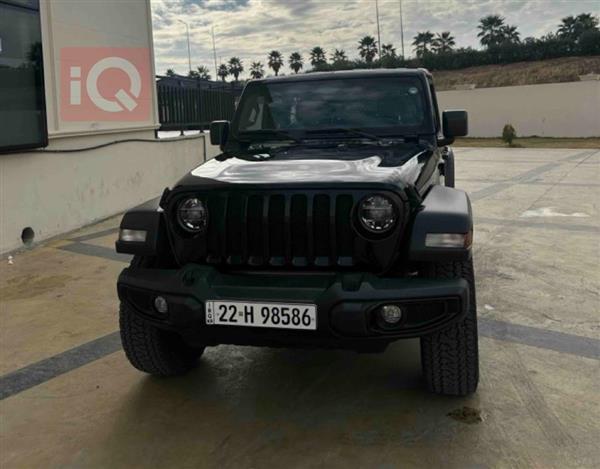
(400, 165)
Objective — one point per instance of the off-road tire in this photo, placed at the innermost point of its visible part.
(450, 357)
(151, 349)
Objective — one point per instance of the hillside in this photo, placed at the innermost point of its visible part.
(520, 73)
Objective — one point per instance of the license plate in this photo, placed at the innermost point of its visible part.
(253, 314)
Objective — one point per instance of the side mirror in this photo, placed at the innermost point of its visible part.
(219, 132)
(455, 124)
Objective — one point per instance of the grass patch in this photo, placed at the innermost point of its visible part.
(530, 142)
(521, 73)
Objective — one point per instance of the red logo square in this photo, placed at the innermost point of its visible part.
(105, 84)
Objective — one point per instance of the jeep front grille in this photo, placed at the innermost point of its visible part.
(273, 229)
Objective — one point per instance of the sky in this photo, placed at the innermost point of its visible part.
(249, 29)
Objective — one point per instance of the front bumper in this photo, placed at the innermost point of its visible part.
(346, 304)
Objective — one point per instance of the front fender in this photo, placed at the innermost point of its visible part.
(443, 210)
(147, 217)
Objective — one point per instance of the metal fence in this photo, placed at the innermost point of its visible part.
(187, 108)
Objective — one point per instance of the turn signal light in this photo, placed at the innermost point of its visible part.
(133, 236)
(449, 240)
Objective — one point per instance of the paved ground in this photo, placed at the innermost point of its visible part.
(70, 399)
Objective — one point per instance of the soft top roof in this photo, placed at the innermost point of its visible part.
(370, 73)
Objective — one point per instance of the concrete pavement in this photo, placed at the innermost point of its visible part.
(70, 398)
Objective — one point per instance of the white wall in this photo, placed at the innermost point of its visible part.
(57, 192)
(54, 191)
(550, 110)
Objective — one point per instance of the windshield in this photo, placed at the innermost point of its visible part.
(390, 106)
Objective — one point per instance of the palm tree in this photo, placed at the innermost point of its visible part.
(296, 62)
(509, 34)
(223, 72)
(491, 30)
(587, 21)
(203, 73)
(388, 50)
(235, 67)
(275, 61)
(317, 56)
(422, 43)
(170, 72)
(367, 48)
(443, 42)
(193, 74)
(572, 27)
(257, 70)
(339, 56)
(568, 28)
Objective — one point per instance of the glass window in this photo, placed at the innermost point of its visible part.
(392, 105)
(22, 108)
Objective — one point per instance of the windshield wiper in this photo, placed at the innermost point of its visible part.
(271, 132)
(347, 130)
(376, 139)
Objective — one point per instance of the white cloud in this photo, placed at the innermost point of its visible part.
(249, 29)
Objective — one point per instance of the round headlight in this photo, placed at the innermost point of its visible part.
(192, 215)
(377, 213)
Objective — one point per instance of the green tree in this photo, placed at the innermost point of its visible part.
(170, 72)
(509, 34)
(193, 74)
(257, 70)
(443, 43)
(296, 62)
(367, 48)
(572, 27)
(422, 43)
(317, 56)
(339, 56)
(589, 42)
(568, 28)
(491, 30)
(388, 50)
(223, 72)
(235, 67)
(275, 61)
(203, 73)
(587, 21)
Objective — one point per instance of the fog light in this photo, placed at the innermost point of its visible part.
(133, 236)
(391, 314)
(161, 305)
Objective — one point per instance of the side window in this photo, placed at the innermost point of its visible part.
(22, 106)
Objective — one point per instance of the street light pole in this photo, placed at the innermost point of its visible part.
(187, 28)
(378, 29)
(215, 52)
(402, 31)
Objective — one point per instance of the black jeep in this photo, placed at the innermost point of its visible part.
(328, 220)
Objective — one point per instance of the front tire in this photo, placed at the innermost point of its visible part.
(151, 349)
(450, 357)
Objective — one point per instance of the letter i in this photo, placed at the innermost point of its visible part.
(75, 90)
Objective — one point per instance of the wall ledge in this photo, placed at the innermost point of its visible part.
(56, 135)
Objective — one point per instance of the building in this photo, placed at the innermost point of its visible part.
(78, 114)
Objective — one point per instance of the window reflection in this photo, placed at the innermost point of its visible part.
(22, 110)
